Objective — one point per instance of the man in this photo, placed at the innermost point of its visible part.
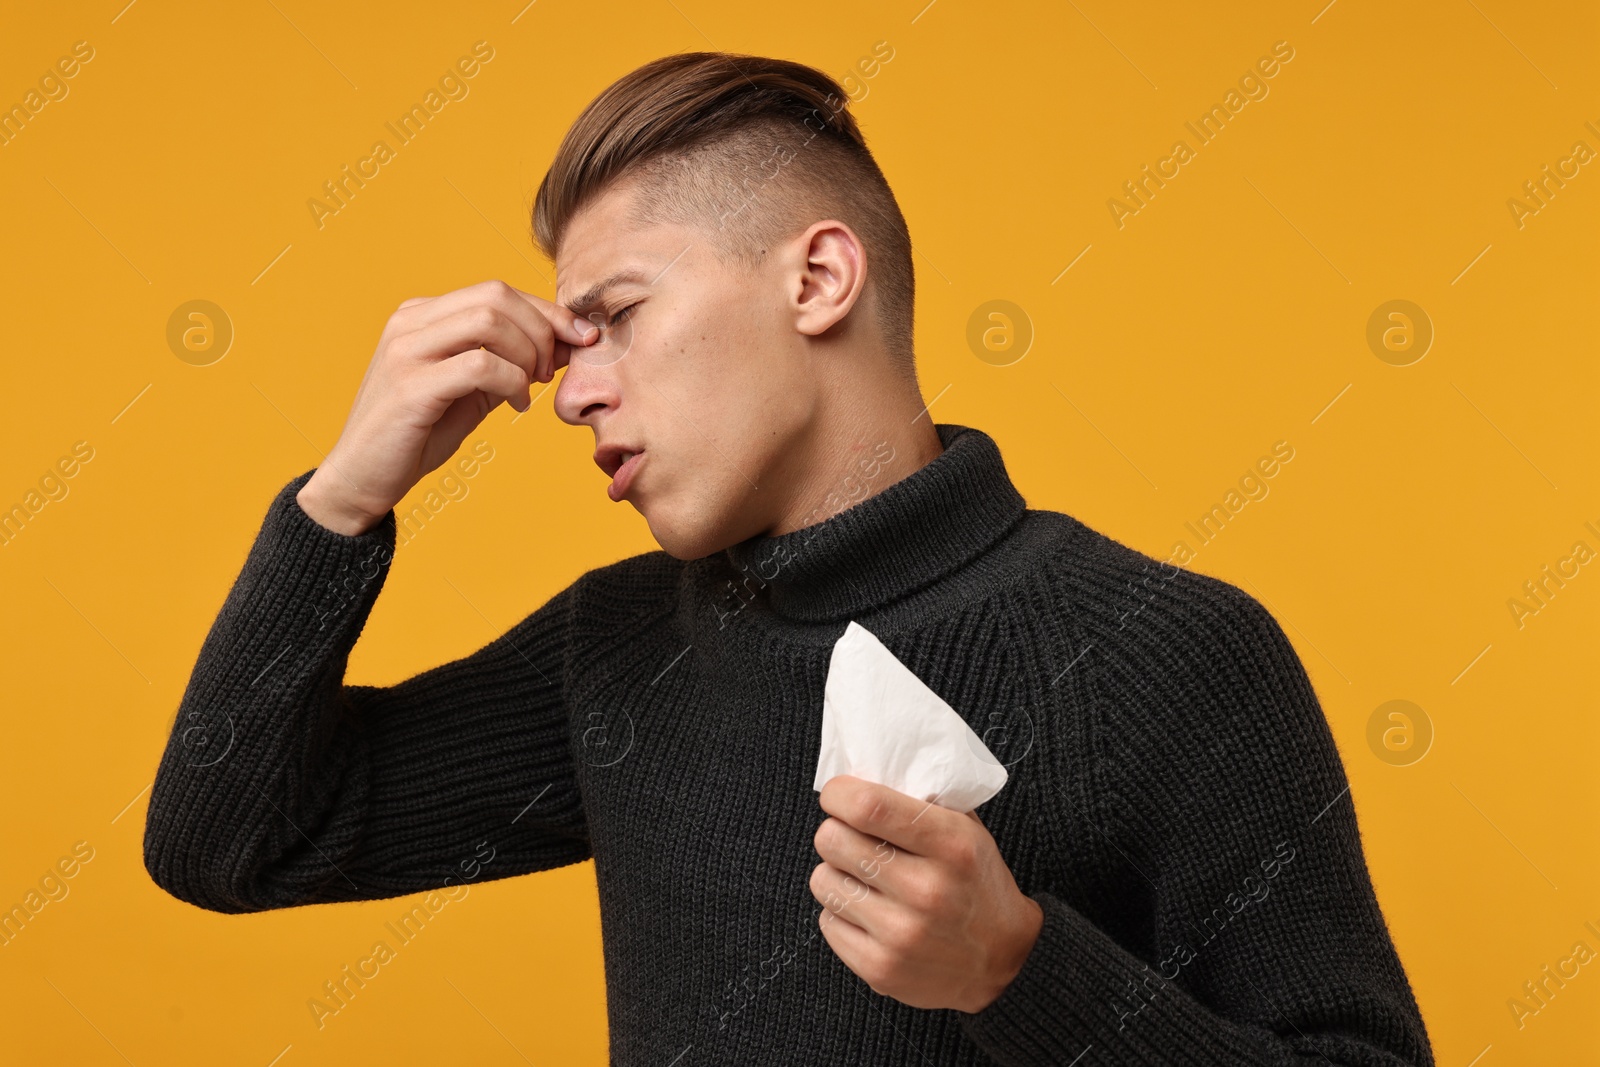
(1173, 871)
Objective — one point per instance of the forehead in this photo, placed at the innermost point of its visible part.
(603, 246)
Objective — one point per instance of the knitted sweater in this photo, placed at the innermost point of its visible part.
(1176, 803)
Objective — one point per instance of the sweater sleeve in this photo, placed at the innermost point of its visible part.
(281, 786)
(1223, 806)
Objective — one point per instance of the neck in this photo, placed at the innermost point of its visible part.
(858, 446)
(890, 541)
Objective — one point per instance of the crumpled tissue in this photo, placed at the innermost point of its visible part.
(881, 723)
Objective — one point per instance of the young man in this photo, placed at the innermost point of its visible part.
(1173, 871)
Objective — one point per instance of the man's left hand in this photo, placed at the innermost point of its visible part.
(916, 898)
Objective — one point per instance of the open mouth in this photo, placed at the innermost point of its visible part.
(623, 478)
(619, 462)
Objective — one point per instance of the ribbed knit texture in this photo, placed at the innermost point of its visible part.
(1176, 803)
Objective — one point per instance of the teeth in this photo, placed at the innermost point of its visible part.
(627, 456)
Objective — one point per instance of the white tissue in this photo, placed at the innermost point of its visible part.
(881, 723)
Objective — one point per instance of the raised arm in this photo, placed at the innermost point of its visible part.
(279, 784)
(282, 786)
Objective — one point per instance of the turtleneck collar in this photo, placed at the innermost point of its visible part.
(891, 543)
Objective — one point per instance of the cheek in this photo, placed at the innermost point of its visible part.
(700, 370)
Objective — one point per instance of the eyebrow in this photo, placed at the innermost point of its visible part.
(591, 296)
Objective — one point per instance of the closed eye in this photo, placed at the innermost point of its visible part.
(612, 322)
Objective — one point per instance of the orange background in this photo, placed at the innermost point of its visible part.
(1229, 313)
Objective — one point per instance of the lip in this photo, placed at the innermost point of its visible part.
(622, 480)
(608, 457)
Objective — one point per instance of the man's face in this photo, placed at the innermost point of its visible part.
(699, 368)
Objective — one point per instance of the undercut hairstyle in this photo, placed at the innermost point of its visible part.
(751, 150)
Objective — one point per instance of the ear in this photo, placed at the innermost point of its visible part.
(830, 272)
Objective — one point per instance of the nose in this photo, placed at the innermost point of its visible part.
(586, 389)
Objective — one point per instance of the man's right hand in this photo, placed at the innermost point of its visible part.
(443, 363)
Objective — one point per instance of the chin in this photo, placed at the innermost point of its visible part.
(686, 545)
(686, 537)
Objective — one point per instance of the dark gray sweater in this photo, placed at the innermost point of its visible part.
(1176, 803)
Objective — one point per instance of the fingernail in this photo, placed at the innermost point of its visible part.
(584, 326)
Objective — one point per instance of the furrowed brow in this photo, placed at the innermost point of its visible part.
(591, 297)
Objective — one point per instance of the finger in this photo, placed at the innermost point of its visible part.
(478, 369)
(848, 849)
(571, 328)
(474, 326)
(853, 945)
(545, 324)
(916, 826)
(896, 875)
(846, 897)
(569, 331)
